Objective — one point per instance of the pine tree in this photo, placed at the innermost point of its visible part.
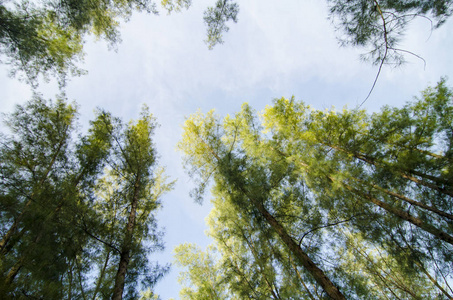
(371, 192)
(44, 174)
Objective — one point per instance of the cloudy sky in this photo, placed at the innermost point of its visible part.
(277, 48)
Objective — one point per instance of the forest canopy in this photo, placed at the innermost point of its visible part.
(307, 204)
(77, 214)
(310, 203)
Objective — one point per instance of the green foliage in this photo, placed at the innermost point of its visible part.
(47, 37)
(124, 224)
(367, 198)
(62, 222)
(176, 5)
(216, 17)
(376, 25)
(203, 276)
(379, 25)
(43, 174)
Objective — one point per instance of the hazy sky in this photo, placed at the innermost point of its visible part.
(277, 48)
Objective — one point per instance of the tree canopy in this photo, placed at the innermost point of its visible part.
(376, 25)
(379, 25)
(46, 37)
(307, 203)
(78, 216)
(310, 203)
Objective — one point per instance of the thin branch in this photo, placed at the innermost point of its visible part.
(411, 53)
(85, 229)
(324, 226)
(384, 25)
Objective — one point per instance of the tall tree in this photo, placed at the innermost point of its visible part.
(393, 166)
(43, 175)
(139, 189)
(371, 192)
(120, 220)
(64, 225)
(213, 150)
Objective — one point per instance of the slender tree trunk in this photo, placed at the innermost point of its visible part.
(260, 265)
(405, 216)
(13, 272)
(320, 277)
(409, 177)
(80, 281)
(12, 229)
(70, 283)
(126, 248)
(310, 295)
(427, 184)
(101, 276)
(408, 200)
(238, 270)
(433, 280)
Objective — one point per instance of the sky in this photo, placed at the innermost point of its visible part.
(277, 49)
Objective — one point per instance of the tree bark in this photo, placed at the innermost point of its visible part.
(310, 295)
(405, 216)
(408, 200)
(126, 248)
(320, 277)
(403, 174)
(101, 276)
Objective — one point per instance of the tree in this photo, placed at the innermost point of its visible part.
(60, 217)
(121, 221)
(47, 38)
(43, 175)
(393, 165)
(370, 192)
(140, 188)
(379, 25)
(210, 149)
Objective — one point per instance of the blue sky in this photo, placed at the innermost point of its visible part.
(277, 48)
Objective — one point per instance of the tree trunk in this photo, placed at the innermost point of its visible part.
(320, 277)
(126, 248)
(405, 216)
(13, 272)
(310, 295)
(408, 200)
(420, 182)
(101, 276)
(260, 265)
